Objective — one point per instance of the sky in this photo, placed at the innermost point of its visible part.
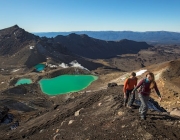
(91, 15)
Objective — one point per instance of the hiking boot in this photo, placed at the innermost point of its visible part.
(15, 125)
(130, 107)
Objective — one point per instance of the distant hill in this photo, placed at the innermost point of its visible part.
(19, 47)
(89, 47)
(153, 37)
(15, 47)
(14, 39)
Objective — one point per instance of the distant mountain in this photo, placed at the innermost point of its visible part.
(16, 47)
(14, 38)
(153, 37)
(19, 48)
(88, 47)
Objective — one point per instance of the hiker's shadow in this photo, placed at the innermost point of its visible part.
(163, 117)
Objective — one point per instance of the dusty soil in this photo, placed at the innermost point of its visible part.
(98, 115)
(144, 58)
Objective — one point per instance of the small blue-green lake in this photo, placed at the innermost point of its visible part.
(66, 83)
(40, 67)
(23, 81)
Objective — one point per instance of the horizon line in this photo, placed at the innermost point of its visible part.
(107, 31)
(94, 30)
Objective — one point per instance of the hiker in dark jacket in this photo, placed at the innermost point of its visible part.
(129, 85)
(145, 89)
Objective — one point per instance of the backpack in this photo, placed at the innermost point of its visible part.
(143, 85)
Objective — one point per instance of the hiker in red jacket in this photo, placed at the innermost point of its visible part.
(129, 85)
(145, 89)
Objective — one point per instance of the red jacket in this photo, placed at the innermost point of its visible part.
(129, 84)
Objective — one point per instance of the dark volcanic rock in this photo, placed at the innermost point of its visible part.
(102, 116)
(112, 84)
(3, 113)
(86, 46)
(18, 47)
(13, 39)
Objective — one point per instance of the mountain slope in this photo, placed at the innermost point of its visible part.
(86, 46)
(167, 76)
(99, 115)
(14, 38)
(19, 48)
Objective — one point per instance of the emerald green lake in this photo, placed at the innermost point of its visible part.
(66, 83)
(23, 81)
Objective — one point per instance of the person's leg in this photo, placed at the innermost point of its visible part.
(141, 105)
(127, 97)
(146, 98)
(132, 98)
(140, 108)
(144, 105)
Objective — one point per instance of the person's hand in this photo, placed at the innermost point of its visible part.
(160, 99)
(125, 95)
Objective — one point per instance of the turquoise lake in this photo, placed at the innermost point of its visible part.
(23, 81)
(40, 67)
(66, 83)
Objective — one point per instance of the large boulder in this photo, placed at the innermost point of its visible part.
(112, 84)
(3, 113)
